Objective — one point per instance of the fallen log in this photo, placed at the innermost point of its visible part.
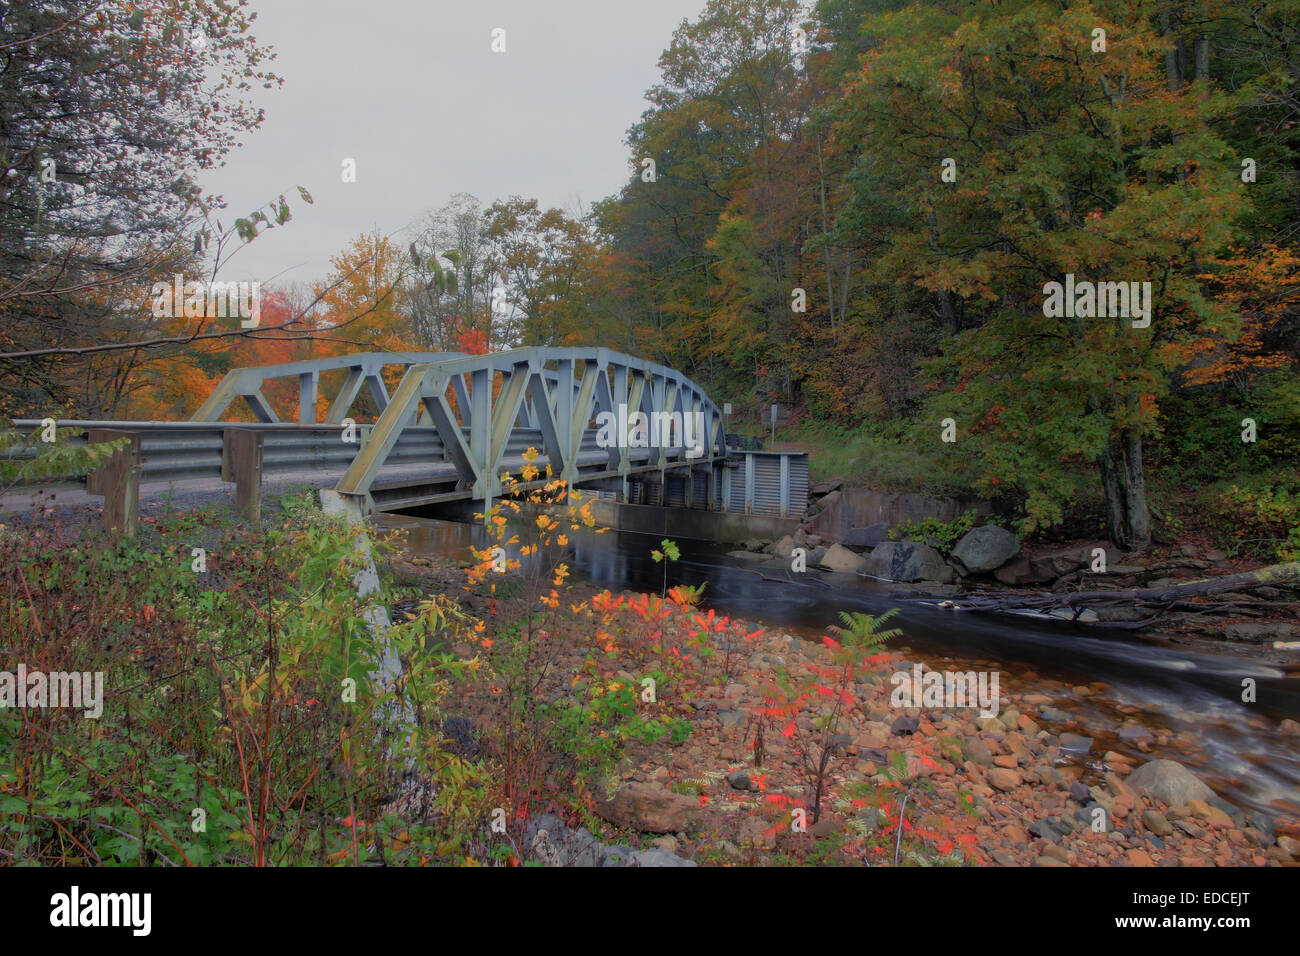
(1163, 597)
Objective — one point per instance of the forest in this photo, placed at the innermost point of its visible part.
(855, 210)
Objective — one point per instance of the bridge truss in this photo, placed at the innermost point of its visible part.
(482, 408)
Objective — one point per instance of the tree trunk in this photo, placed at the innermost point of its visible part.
(1175, 56)
(1128, 522)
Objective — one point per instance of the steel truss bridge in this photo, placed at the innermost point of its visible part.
(455, 423)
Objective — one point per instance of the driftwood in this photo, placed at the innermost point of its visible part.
(1156, 600)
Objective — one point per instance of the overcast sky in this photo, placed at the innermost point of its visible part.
(413, 92)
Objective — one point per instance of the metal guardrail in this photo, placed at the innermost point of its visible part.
(180, 451)
(750, 482)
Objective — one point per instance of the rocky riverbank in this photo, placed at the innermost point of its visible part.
(854, 530)
(1060, 776)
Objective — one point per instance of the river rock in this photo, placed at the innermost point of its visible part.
(1169, 782)
(649, 808)
(978, 752)
(782, 547)
(1075, 744)
(1135, 733)
(1045, 831)
(905, 725)
(657, 856)
(552, 843)
(1017, 572)
(1001, 778)
(985, 548)
(1157, 823)
(907, 561)
(739, 780)
(840, 558)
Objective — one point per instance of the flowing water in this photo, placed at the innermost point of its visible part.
(1236, 747)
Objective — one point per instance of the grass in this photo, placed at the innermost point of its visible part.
(875, 461)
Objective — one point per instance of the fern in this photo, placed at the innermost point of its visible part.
(862, 630)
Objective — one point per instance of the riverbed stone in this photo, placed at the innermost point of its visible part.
(840, 558)
(978, 752)
(907, 561)
(649, 808)
(1135, 733)
(782, 547)
(1169, 782)
(1073, 743)
(739, 780)
(985, 548)
(1003, 779)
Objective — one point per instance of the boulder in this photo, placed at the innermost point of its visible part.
(839, 558)
(552, 843)
(648, 808)
(1017, 572)
(781, 547)
(985, 548)
(657, 856)
(827, 486)
(1169, 782)
(1042, 569)
(906, 561)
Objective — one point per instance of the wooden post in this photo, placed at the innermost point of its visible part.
(242, 461)
(118, 480)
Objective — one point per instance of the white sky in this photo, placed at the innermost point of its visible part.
(411, 90)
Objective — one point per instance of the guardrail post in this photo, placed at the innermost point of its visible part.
(118, 480)
(241, 459)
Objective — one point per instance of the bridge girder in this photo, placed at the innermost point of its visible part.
(558, 391)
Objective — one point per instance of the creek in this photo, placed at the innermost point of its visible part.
(1236, 747)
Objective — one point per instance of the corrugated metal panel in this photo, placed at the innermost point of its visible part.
(674, 490)
(738, 488)
(798, 485)
(767, 485)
